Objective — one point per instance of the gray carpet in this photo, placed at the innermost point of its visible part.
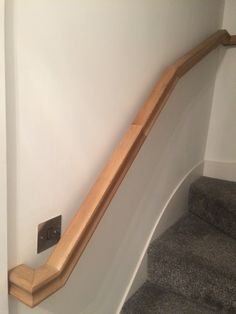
(215, 201)
(150, 299)
(192, 266)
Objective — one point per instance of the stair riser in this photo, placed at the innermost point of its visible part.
(190, 278)
(193, 264)
(211, 200)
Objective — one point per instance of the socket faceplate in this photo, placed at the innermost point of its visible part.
(49, 233)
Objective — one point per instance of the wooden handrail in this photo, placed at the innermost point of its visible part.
(31, 286)
(232, 41)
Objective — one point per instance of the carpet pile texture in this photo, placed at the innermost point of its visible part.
(192, 266)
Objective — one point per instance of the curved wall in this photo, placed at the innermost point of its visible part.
(77, 71)
(221, 146)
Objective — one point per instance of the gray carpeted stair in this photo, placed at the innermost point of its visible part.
(214, 201)
(196, 260)
(150, 299)
(192, 266)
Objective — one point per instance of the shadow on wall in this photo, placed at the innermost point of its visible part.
(176, 144)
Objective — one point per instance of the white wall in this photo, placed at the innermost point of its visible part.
(221, 139)
(175, 207)
(3, 168)
(220, 169)
(77, 71)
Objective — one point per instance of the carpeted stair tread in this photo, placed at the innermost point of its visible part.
(150, 299)
(196, 260)
(214, 200)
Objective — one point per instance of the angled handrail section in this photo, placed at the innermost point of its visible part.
(31, 286)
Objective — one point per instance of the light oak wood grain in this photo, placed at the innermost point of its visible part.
(31, 286)
(232, 40)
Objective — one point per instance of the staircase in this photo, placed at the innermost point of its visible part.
(192, 266)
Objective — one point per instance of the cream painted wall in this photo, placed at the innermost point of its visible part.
(175, 207)
(220, 169)
(77, 71)
(221, 138)
(3, 172)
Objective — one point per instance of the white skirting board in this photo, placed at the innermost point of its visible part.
(177, 204)
(174, 208)
(220, 169)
